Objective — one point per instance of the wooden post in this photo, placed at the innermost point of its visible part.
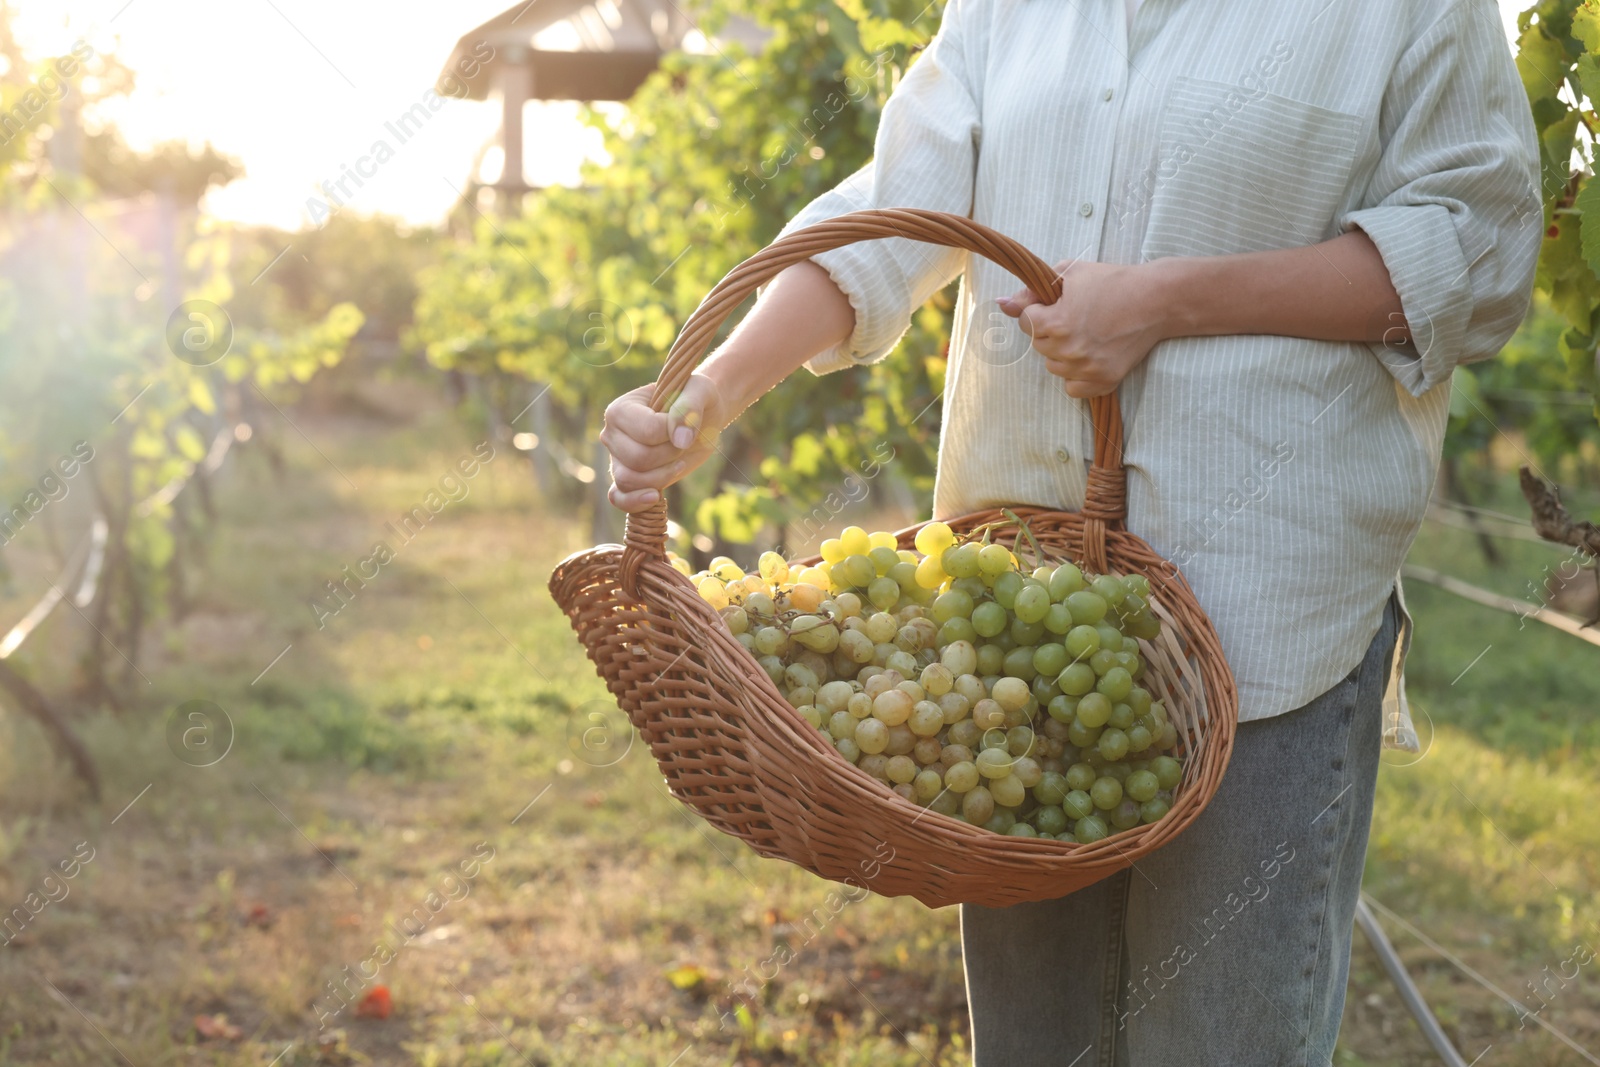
(516, 88)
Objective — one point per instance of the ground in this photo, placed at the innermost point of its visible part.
(403, 799)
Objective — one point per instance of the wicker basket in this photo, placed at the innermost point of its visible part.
(733, 749)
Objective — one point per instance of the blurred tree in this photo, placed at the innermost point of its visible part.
(583, 295)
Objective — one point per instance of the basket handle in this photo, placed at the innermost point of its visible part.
(1105, 501)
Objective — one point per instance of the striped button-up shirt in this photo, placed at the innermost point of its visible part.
(1285, 477)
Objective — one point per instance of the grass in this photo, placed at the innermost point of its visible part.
(432, 721)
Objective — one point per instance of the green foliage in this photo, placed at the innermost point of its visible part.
(587, 290)
(1558, 57)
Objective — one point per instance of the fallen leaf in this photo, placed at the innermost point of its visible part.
(350, 919)
(688, 977)
(216, 1026)
(376, 1004)
(258, 915)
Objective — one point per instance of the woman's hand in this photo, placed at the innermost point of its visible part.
(650, 449)
(1108, 319)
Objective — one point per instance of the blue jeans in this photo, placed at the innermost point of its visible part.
(1228, 947)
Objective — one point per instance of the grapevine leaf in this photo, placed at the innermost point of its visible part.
(1465, 396)
(1588, 70)
(1588, 202)
(1577, 350)
(1586, 26)
(1542, 63)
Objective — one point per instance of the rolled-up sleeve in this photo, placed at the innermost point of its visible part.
(1454, 200)
(924, 156)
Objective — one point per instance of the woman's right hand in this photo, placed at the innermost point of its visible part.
(650, 450)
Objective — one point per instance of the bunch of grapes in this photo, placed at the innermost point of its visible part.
(1008, 698)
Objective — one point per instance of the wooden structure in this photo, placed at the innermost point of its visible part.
(571, 50)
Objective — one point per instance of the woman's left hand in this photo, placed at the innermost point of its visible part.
(1107, 320)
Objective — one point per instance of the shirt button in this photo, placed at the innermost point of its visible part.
(1107, 95)
(1086, 209)
(1061, 454)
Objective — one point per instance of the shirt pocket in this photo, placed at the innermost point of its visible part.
(1246, 171)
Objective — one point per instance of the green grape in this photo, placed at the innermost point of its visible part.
(1022, 829)
(1169, 737)
(1094, 710)
(1139, 738)
(1111, 638)
(1000, 822)
(848, 748)
(1167, 770)
(812, 714)
(872, 735)
(927, 719)
(1081, 735)
(1058, 620)
(1102, 661)
(1144, 627)
(957, 630)
(1115, 684)
(977, 805)
(961, 777)
(928, 783)
(1082, 642)
(1032, 603)
(1077, 804)
(991, 657)
(841, 724)
(1008, 791)
(1026, 769)
(1062, 708)
(1011, 693)
(952, 604)
(1141, 786)
(1151, 810)
(1130, 662)
(901, 769)
(1076, 680)
(1080, 776)
(854, 572)
(1049, 819)
(1118, 769)
(1111, 590)
(965, 733)
(994, 560)
(905, 576)
(1025, 633)
(1139, 700)
(883, 592)
(946, 802)
(1020, 741)
(971, 586)
(1125, 816)
(994, 763)
(1087, 607)
(1090, 829)
(1044, 688)
(960, 561)
(1006, 588)
(1018, 664)
(884, 559)
(1113, 744)
(1137, 583)
(1106, 792)
(989, 619)
(1052, 789)
(1067, 579)
(1121, 717)
(1132, 604)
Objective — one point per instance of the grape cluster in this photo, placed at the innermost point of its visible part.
(1008, 698)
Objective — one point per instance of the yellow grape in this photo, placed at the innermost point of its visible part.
(934, 538)
(855, 541)
(930, 574)
(716, 595)
(833, 550)
(882, 539)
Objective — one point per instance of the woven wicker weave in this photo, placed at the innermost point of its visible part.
(732, 748)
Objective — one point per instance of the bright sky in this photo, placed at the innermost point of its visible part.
(298, 89)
